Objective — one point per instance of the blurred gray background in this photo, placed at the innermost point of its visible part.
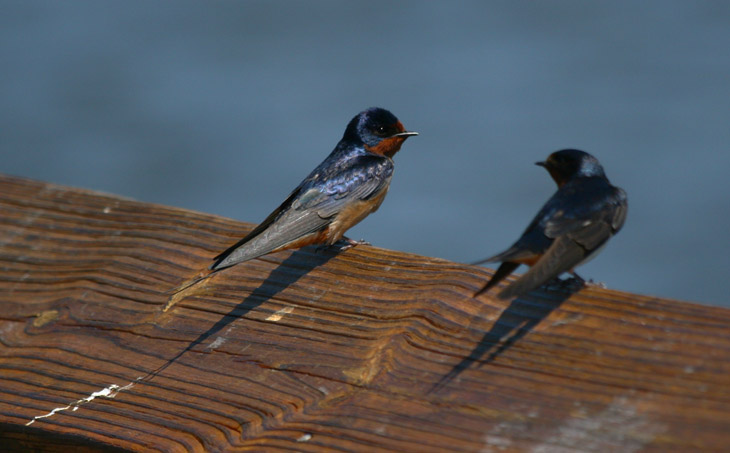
(223, 107)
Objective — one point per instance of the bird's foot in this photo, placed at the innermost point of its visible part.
(577, 278)
(347, 243)
(571, 284)
(343, 244)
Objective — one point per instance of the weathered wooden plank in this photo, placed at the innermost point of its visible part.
(363, 350)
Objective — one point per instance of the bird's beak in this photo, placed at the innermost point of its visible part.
(405, 134)
(541, 164)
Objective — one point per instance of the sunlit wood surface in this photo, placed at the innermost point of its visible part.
(363, 350)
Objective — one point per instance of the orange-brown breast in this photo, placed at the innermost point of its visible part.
(352, 214)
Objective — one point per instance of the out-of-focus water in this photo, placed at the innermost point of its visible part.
(224, 107)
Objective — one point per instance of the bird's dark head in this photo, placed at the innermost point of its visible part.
(378, 130)
(567, 164)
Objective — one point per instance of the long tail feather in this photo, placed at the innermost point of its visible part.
(503, 271)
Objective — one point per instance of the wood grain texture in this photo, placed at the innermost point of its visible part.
(364, 350)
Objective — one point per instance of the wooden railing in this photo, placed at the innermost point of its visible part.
(317, 350)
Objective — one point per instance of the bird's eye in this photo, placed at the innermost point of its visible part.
(380, 130)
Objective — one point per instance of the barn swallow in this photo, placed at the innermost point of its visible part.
(341, 191)
(570, 229)
(347, 186)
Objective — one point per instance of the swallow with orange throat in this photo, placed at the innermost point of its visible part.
(340, 192)
(570, 229)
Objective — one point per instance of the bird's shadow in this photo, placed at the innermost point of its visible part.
(516, 321)
(298, 264)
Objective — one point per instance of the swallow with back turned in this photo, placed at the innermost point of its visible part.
(341, 191)
(570, 229)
